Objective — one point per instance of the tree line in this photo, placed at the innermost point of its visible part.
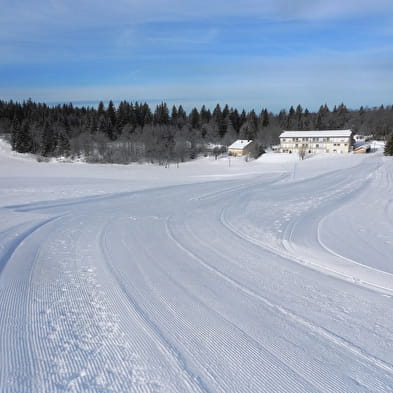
(133, 131)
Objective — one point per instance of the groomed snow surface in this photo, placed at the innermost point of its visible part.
(273, 275)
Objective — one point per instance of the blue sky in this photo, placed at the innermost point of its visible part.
(249, 54)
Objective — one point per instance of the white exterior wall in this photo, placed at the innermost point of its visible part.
(241, 151)
(236, 152)
(316, 144)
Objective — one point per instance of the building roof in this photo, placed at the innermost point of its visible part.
(362, 145)
(322, 133)
(240, 144)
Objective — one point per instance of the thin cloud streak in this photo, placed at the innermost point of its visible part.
(59, 15)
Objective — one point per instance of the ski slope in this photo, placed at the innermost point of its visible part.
(274, 275)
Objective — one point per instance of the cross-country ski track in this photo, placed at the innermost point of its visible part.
(262, 282)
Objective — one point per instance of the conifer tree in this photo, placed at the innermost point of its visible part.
(161, 114)
(205, 115)
(219, 120)
(36, 127)
(101, 109)
(243, 118)
(147, 116)
(181, 114)
(235, 119)
(93, 124)
(23, 139)
(63, 145)
(14, 132)
(122, 115)
(111, 112)
(225, 111)
(265, 118)
(299, 117)
(48, 141)
(174, 115)
(194, 118)
(111, 121)
(132, 120)
(388, 151)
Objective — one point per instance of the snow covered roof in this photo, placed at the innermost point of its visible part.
(322, 133)
(240, 144)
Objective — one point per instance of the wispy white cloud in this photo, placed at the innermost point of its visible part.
(49, 20)
(57, 14)
(189, 36)
(314, 10)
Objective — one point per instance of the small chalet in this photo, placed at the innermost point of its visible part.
(241, 147)
(361, 148)
(327, 141)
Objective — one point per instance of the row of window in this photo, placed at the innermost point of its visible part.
(314, 139)
(310, 151)
(312, 145)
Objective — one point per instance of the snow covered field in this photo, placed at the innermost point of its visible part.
(274, 275)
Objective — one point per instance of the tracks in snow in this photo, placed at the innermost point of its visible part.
(325, 334)
(201, 337)
(126, 295)
(20, 257)
(152, 330)
(300, 247)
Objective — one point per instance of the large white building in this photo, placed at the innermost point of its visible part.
(326, 141)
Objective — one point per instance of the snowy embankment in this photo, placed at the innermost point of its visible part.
(218, 276)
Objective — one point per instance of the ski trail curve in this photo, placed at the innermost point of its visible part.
(286, 313)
